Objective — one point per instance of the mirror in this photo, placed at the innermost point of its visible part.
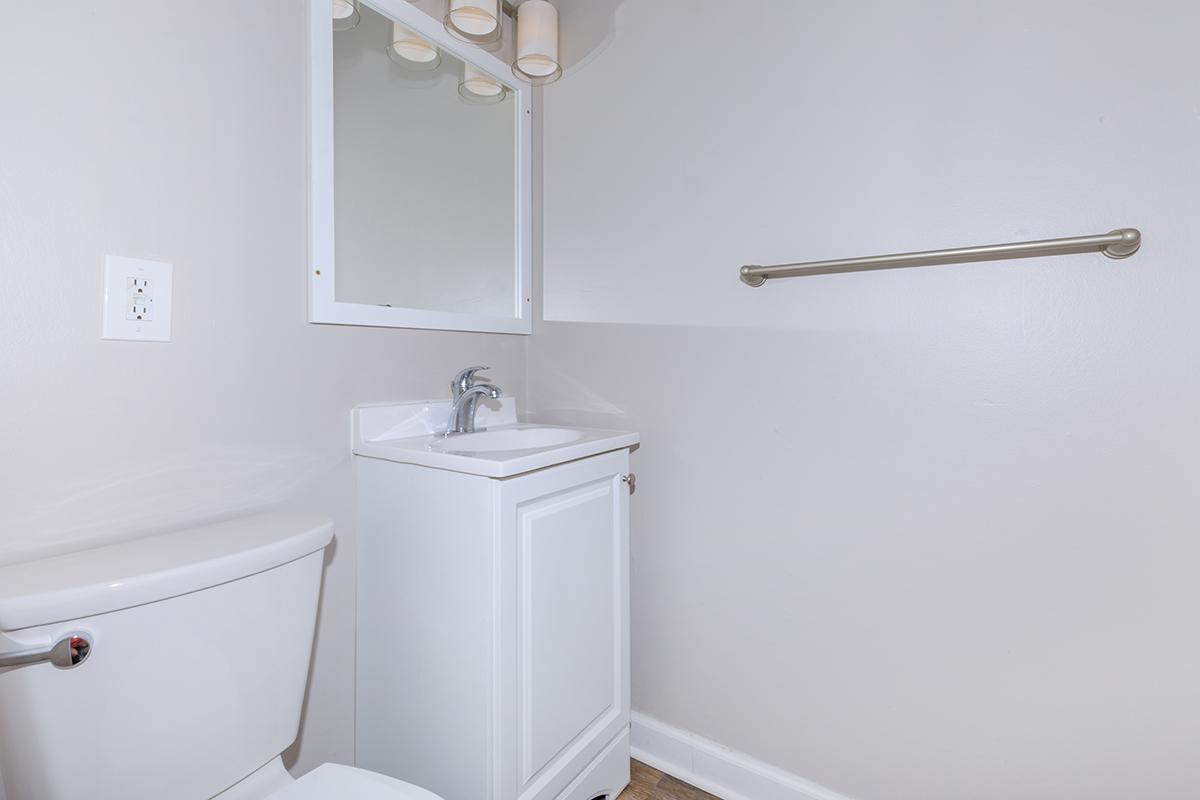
(419, 176)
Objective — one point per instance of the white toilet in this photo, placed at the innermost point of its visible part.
(168, 668)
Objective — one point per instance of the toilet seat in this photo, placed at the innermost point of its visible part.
(339, 782)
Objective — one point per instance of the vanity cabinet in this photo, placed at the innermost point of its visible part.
(493, 629)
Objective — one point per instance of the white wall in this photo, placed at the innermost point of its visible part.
(176, 131)
(923, 534)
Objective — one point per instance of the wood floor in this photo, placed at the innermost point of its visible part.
(650, 784)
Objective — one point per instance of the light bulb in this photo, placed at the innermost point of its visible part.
(412, 50)
(476, 21)
(537, 42)
(345, 14)
(479, 87)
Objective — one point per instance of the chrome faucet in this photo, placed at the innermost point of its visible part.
(464, 400)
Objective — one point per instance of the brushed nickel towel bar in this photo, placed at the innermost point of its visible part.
(1120, 243)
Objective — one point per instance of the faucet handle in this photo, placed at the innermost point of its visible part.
(464, 380)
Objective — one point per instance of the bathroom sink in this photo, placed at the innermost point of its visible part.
(411, 433)
(514, 438)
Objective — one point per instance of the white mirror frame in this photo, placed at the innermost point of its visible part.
(323, 306)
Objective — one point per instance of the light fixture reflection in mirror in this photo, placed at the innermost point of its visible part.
(537, 43)
(475, 21)
(411, 50)
(345, 14)
(479, 87)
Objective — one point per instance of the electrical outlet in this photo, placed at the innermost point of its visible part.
(137, 299)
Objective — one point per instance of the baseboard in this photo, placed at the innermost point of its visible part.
(726, 773)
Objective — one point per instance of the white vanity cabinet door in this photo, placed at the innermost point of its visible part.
(564, 540)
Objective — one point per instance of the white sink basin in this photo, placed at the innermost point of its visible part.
(516, 438)
(411, 433)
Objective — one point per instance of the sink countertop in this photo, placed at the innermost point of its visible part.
(410, 433)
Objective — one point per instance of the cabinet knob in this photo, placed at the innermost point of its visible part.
(630, 479)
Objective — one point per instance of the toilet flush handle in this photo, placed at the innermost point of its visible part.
(68, 652)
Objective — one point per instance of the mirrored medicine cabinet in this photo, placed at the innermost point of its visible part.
(420, 176)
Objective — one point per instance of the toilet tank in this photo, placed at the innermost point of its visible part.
(200, 648)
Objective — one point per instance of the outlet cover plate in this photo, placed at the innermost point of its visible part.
(137, 299)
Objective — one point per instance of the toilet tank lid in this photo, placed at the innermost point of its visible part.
(131, 573)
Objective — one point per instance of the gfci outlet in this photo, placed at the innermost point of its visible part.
(137, 299)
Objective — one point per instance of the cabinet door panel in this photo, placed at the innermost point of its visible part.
(566, 561)
(566, 537)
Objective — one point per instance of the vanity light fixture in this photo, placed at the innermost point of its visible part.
(479, 87)
(537, 43)
(412, 50)
(345, 14)
(475, 21)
